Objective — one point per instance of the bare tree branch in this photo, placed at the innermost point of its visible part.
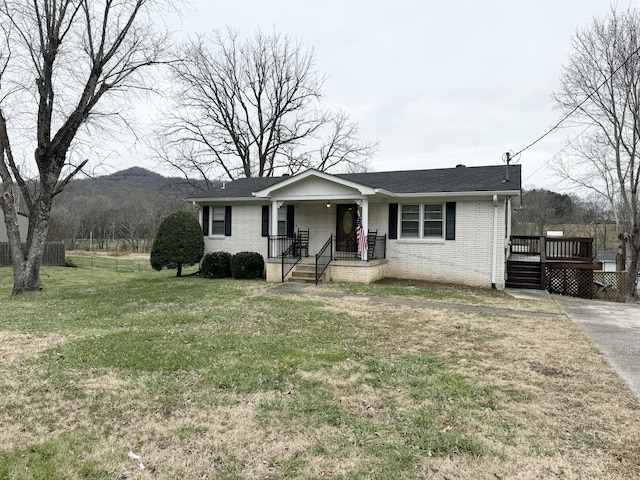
(252, 109)
(62, 58)
(601, 83)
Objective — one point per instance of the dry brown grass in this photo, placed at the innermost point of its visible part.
(557, 409)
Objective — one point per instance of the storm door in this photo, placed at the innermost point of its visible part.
(346, 227)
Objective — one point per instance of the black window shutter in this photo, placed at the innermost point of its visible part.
(451, 221)
(290, 219)
(265, 220)
(205, 220)
(393, 220)
(227, 221)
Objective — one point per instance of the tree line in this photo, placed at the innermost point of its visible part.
(118, 212)
(576, 216)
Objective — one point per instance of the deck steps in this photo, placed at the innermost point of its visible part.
(523, 274)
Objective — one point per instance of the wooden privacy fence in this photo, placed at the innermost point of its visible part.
(53, 255)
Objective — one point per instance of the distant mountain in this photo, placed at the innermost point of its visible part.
(134, 178)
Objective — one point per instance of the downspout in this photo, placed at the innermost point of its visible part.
(494, 262)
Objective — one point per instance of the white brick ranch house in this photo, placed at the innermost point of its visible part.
(450, 225)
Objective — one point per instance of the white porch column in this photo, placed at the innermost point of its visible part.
(274, 217)
(365, 225)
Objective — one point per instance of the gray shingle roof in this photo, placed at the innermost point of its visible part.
(445, 180)
(608, 256)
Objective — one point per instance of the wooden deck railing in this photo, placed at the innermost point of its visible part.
(569, 249)
(553, 249)
(525, 245)
(566, 262)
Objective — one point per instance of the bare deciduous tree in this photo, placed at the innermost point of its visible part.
(59, 60)
(251, 109)
(601, 88)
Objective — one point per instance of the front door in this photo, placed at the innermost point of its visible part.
(346, 227)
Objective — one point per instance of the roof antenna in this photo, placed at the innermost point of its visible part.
(508, 157)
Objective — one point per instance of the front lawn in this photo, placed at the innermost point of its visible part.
(223, 379)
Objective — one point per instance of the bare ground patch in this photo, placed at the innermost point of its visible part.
(16, 347)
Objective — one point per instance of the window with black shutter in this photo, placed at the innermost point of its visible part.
(265, 220)
(227, 221)
(393, 220)
(205, 220)
(451, 221)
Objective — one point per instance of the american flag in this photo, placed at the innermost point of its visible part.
(360, 236)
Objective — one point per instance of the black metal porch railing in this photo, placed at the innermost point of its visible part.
(293, 253)
(278, 244)
(346, 247)
(323, 258)
(290, 258)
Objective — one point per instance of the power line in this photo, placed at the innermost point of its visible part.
(577, 107)
(555, 155)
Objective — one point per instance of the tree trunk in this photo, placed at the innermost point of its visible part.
(179, 273)
(26, 257)
(26, 276)
(633, 260)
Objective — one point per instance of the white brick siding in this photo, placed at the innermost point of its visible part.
(465, 260)
(246, 233)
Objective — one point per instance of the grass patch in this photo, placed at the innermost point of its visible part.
(223, 379)
(439, 292)
(52, 460)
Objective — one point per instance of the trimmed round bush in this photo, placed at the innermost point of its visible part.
(247, 265)
(178, 242)
(216, 265)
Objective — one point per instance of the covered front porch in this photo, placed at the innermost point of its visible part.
(347, 253)
(338, 225)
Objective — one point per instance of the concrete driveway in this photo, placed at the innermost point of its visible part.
(615, 329)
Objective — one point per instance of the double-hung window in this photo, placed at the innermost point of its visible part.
(432, 221)
(422, 221)
(282, 221)
(410, 221)
(217, 220)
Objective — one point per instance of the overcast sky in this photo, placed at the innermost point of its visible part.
(437, 83)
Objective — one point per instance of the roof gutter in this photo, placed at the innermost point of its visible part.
(222, 199)
(478, 193)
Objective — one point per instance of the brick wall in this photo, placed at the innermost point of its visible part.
(466, 260)
(246, 233)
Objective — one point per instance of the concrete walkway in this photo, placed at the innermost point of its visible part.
(614, 328)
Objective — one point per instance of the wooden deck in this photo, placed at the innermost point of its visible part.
(561, 265)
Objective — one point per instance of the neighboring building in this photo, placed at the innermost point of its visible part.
(450, 225)
(23, 225)
(608, 260)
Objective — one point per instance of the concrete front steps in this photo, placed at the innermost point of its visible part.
(305, 272)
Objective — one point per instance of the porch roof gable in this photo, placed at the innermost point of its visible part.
(324, 183)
